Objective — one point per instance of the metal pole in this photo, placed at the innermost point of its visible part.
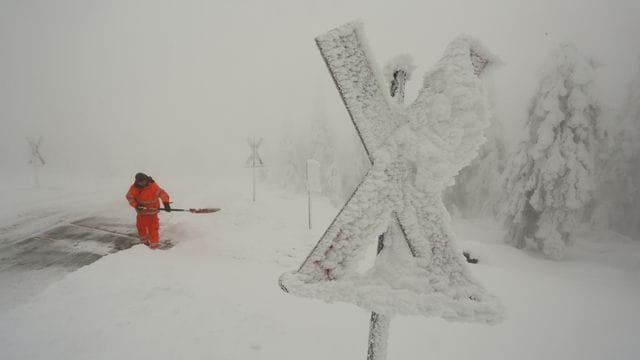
(309, 210)
(35, 170)
(378, 336)
(253, 167)
(379, 324)
(308, 193)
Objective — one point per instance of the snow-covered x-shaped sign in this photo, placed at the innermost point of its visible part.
(415, 153)
(254, 160)
(36, 157)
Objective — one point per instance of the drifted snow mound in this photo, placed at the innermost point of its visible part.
(415, 152)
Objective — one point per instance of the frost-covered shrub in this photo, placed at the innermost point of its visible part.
(550, 180)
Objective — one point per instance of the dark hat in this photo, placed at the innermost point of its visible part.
(141, 177)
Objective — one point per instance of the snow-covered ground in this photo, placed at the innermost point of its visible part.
(215, 294)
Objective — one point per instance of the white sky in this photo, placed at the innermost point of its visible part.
(176, 86)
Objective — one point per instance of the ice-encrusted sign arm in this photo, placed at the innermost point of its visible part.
(345, 52)
(415, 152)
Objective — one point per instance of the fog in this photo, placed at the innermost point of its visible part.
(175, 87)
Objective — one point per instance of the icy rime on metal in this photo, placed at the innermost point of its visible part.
(415, 152)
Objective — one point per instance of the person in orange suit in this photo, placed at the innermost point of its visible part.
(144, 196)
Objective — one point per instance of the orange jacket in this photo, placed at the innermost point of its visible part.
(148, 197)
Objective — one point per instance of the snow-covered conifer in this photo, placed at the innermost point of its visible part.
(550, 180)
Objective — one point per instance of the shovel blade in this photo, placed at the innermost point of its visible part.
(204, 211)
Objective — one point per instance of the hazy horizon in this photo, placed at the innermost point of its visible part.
(175, 88)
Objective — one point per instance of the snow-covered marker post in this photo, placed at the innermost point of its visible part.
(254, 161)
(397, 72)
(37, 160)
(415, 152)
(312, 182)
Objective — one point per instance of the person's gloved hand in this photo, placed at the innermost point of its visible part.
(167, 207)
(139, 207)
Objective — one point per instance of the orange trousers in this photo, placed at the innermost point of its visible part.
(148, 227)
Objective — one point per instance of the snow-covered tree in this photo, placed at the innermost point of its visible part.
(550, 180)
(618, 194)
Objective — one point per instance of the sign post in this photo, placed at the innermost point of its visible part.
(312, 182)
(379, 324)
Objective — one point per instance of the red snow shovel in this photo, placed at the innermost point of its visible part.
(195, 211)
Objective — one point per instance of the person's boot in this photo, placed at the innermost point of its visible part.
(145, 240)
